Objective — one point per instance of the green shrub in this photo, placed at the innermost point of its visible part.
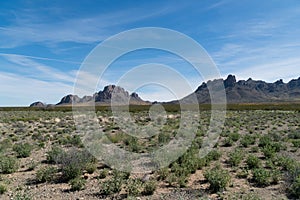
(213, 155)
(294, 135)
(286, 162)
(73, 163)
(46, 174)
(235, 157)
(164, 138)
(103, 173)
(22, 196)
(149, 187)
(247, 140)
(163, 173)
(90, 167)
(8, 164)
(264, 141)
(54, 155)
(113, 185)
(253, 162)
(295, 188)
(3, 189)
(234, 136)
(275, 176)
(254, 149)
(218, 178)
(22, 150)
(268, 151)
(133, 187)
(292, 179)
(261, 176)
(228, 142)
(296, 143)
(77, 184)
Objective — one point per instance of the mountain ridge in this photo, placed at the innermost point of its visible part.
(242, 91)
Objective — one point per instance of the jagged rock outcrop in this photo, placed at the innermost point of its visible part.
(242, 91)
(104, 97)
(38, 104)
(249, 91)
(69, 99)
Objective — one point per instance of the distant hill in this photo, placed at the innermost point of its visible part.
(100, 98)
(243, 91)
(249, 91)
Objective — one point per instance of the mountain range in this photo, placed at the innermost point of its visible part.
(242, 91)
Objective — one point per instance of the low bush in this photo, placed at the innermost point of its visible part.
(163, 173)
(3, 189)
(295, 188)
(264, 141)
(218, 178)
(296, 143)
(247, 140)
(8, 164)
(46, 174)
(73, 163)
(261, 176)
(234, 136)
(228, 142)
(54, 155)
(235, 157)
(103, 173)
(113, 185)
(149, 187)
(253, 162)
(23, 150)
(292, 179)
(133, 187)
(213, 155)
(275, 176)
(77, 184)
(268, 151)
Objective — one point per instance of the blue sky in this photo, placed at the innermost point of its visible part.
(43, 43)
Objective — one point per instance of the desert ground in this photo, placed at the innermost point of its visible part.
(256, 157)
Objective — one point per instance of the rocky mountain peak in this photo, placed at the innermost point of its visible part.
(230, 81)
(37, 104)
(69, 99)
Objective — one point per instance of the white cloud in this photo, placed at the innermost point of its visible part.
(17, 90)
(28, 28)
(34, 69)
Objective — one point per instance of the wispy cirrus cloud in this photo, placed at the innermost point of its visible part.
(29, 27)
(27, 67)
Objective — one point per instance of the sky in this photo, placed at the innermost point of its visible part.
(43, 43)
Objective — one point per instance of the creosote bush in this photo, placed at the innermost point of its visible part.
(3, 189)
(253, 162)
(55, 154)
(46, 174)
(218, 178)
(133, 187)
(77, 184)
(113, 185)
(261, 176)
(73, 162)
(22, 150)
(235, 157)
(8, 164)
(149, 187)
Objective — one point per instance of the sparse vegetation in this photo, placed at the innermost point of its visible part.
(218, 178)
(256, 149)
(46, 174)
